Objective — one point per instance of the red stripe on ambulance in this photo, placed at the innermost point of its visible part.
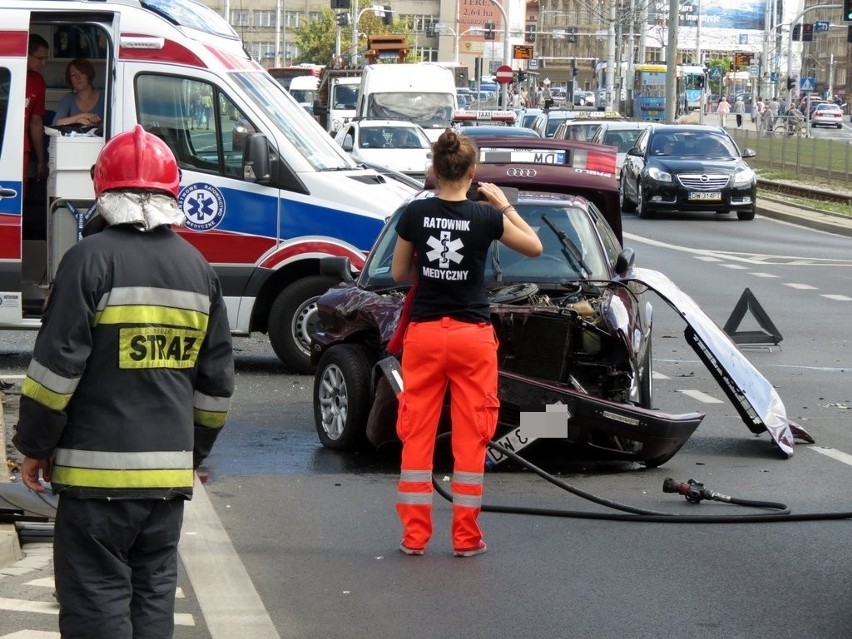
(171, 51)
(13, 44)
(302, 250)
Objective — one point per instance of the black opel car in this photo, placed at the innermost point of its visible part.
(675, 167)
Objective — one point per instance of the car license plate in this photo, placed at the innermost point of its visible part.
(712, 196)
(514, 441)
(518, 156)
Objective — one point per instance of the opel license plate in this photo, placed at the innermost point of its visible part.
(711, 196)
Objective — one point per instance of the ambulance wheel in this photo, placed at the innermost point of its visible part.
(342, 396)
(293, 315)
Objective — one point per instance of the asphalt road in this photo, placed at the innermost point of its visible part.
(316, 534)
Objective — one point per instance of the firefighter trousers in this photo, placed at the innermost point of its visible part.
(115, 567)
(436, 355)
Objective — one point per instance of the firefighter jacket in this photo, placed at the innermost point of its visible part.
(132, 371)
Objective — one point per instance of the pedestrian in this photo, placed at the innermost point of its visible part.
(739, 110)
(128, 387)
(774, 109)
(450, 340)
(723, 109)
(546, 96)
(757, 114)
(34, 107)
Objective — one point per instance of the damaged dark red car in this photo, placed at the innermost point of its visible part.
(574, 325)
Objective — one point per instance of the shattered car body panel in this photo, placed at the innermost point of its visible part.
(749, 391)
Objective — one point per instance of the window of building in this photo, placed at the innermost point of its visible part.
(239, 18)
(264, 18)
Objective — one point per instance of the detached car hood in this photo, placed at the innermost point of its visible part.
(749, 391)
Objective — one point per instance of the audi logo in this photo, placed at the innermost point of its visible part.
(528, 173)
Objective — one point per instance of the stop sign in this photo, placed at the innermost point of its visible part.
(504, 74)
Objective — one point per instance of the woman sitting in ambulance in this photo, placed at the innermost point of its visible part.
(85, 104)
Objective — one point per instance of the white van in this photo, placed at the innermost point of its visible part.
(266, 191)
(424, 93)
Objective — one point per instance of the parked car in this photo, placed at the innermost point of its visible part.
(398, 144)
(578, 129)
(675, 167)
(827, 114)
(527, 115)
(574, 325)
(621, 134)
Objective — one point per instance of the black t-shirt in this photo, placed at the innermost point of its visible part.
(450, 242)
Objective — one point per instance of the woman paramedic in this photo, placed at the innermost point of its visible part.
(441, 246)
(85, 104)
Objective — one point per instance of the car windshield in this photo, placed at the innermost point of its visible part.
(622, 139)
(392, 137)
(693, 144)
(571, 251)
(429, 110)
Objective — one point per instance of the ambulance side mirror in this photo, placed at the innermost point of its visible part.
(256, 159)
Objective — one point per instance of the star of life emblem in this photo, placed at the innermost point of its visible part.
(444, 249)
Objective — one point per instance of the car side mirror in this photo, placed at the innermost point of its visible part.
(624, 262)
(338, 267)
(635, 151)
(256, 161)
(748, 153)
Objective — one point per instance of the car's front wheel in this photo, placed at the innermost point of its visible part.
(748, 214)
(292, 318)
(626, 205)
(342, 396)
(641, 207)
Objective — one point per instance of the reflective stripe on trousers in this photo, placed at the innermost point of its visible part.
(436, 355)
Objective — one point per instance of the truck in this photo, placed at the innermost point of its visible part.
(265, 190)
(423, 92)
(337, 97)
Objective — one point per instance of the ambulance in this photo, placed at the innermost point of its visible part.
(266, 191)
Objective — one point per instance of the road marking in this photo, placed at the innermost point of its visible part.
(763, 274)
(701, 397)
(735, 267)
(837, 298)
(229, 602)
(833, 453)
(20, 605)
(801, 287)
(31, 634)
(707, 258)
(656, 375)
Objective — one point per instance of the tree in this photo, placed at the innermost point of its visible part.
(315, 39)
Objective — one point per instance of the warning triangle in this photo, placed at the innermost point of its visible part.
(748, 302)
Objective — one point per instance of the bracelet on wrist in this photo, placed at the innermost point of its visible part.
(506, 208)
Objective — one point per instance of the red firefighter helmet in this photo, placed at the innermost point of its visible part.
(136, 159)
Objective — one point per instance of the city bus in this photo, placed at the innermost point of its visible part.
(649, 91)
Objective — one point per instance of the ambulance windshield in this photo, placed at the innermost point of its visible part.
(297, 125)
(188, 13)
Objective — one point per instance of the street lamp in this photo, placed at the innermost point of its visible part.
(379, 11)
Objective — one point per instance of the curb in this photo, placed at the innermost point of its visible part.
(837, 224)
(10, 545)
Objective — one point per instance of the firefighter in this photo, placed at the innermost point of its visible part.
(442, 243)
(129, 385)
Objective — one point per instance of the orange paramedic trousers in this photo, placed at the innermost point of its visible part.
(435, 354)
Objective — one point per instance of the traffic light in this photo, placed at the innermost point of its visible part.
(530, 33)
(387, 16)
(791, 83)
(489, 30)
(339, 4)
(847, 10)
(342, 19)
(521, 76)
(808, 32)
(797, 32)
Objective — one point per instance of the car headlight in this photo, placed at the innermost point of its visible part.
(744, 176)
(660, 176)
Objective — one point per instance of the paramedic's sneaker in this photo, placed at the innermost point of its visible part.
(471, 552)
(416, 552)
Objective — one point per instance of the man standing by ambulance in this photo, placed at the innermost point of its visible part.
(37, 53)
(129, 385)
